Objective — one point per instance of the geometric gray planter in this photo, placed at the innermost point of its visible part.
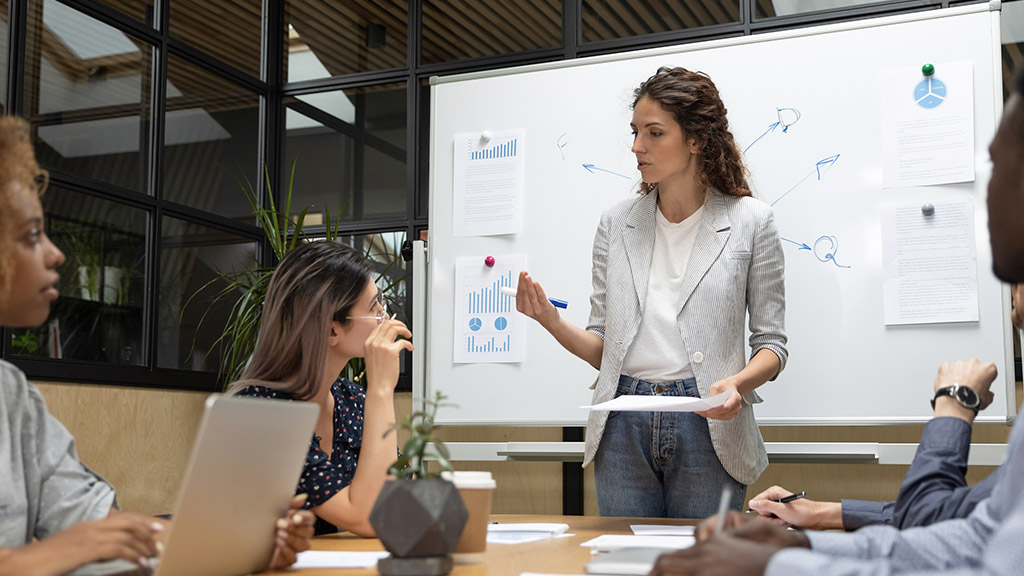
(419, 522)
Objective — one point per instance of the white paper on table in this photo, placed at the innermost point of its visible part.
(656, 530)
(608, 542)
(930, 263)
(487, 193)
(331, 559)
(928, 125)
(546, 574)
(631, 403)
(516, 533)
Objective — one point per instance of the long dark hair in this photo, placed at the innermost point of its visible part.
(693, 100)
(315, 284)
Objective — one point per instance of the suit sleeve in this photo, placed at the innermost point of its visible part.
(596, 322)
(935, 487)
(860, 513)
(766, 291)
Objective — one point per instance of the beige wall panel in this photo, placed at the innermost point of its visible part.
(138, 439)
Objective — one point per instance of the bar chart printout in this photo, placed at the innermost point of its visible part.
(488, 177)
(487, 326)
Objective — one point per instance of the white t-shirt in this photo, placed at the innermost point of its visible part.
(657, 353)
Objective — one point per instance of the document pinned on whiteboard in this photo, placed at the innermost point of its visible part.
(488, 190)
(930, 262)
(661, 403)
(928, 125)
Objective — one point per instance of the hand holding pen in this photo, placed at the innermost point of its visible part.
(533, 302)
(782, 507)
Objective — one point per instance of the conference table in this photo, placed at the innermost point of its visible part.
(562, 555)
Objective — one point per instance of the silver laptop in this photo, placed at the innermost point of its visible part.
(241, 477)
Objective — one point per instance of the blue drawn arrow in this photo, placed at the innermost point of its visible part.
(780, 122)
(800, 244)
(771, 128)
(829, 161)
(825, 162)
(590, 168)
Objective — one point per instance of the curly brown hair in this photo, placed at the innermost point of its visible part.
(18, 168)
(693, 100)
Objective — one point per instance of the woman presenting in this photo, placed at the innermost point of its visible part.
(675, 271)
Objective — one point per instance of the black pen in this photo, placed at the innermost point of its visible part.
(792, 497)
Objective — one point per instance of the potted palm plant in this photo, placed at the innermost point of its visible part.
(418, 516)
(248, 287)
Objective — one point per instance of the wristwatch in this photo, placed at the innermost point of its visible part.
(966, 396)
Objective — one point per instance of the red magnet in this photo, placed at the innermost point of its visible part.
(489, 261)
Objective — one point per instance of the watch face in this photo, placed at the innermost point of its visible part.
(967, 397)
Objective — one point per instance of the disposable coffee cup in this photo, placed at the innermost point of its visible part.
(476, 489)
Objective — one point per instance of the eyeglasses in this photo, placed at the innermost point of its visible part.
(380, 305)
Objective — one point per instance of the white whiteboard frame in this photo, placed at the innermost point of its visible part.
(420, 381)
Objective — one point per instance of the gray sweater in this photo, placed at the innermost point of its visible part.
(43, 487)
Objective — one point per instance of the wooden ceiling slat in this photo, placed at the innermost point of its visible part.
(468, 15)
(342, 49)
(337, 36)
(200, 23)
(700, 12)
(553, 12)
(671, 15)
(458, 26)
(437, 47)
(650, 22)
(685, 13)
(767, 8)
(527, 20)
(619, 27)
(716, 10)
(441, 47)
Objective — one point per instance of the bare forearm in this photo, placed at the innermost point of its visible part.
(35, 560)
(585, 345)
(761, 368)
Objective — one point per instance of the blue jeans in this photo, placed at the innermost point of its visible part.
(660, 464)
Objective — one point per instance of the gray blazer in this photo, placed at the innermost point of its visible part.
(736, 266)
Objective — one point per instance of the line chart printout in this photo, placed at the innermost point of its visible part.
(487, 326)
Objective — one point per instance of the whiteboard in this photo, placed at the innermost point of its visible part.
(846, 366)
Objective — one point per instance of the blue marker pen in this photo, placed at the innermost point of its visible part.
(508, 291)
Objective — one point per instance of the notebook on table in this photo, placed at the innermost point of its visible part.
(240, 479)
(626, 561)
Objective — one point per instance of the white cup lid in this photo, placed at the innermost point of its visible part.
(470, 480)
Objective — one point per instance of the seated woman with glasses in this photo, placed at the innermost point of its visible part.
(321, 310)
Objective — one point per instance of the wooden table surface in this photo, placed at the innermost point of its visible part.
(555, 556)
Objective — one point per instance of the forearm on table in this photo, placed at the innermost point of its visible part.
(35, 560)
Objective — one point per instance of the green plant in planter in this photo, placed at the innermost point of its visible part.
(248, 287)
(422, 444)
(419, 517)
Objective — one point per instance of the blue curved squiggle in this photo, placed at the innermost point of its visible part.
(829, 254)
